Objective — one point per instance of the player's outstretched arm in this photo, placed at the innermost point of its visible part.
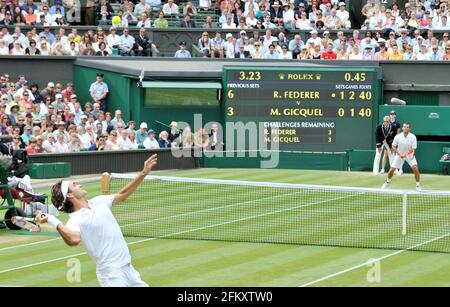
(70, 237)
(131, 187)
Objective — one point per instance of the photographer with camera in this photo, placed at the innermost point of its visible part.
(13, 147)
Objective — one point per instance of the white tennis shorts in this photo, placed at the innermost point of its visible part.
(125, 276)
(398, 162)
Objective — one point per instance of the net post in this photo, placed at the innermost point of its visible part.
(404, 213)
(105, 180)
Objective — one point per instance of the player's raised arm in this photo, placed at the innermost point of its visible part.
(70, 237)
(131, 187)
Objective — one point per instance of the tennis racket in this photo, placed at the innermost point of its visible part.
(26, 223)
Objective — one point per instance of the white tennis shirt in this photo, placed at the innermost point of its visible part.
(404, 144)
(100, 233)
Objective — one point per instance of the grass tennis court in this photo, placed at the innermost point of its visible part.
(44, 260)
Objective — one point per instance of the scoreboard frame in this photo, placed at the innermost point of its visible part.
(258, 76)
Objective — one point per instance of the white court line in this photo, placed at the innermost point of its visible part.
(372, 261)
(181, 232)
(28, 244)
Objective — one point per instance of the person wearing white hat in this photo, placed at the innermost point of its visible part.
(92, 223)
(342, 13)
(141, 134)
(314, 39)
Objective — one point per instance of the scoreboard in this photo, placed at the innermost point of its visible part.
(305, 108)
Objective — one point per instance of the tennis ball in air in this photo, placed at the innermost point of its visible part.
(116, 20)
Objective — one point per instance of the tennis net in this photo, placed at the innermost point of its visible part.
(241, 211)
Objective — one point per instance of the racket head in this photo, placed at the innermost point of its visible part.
(26, 223)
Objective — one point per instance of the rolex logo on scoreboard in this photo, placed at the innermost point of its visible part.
(281, 76)
(318, 77)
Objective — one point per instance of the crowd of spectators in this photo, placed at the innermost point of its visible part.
(92, 43)
(390, 32)
(373, 46)
(52, 120)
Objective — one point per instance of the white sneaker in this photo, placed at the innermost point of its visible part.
(418, 189)
(382, 171)
(385, 185)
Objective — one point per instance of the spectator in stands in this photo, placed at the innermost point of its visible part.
(47, 34)
(4, 50)
(182, 52)
(129, 16)
(126, 43)
(329, 54)
(229, 23)
(382, 54)
(139, 8)
(446, 56)
(205, 45)
(170, 8)
(187, 138)
(161, 22)
(242, 53)
(117, 120)
(268, 24)
(150, 142)
(48, 146)
(144, 22)
(99, 91)
(113, 40)
(142, 133)
(30, 16)
(112, 143)
(295, 46)
(217, 46)
(17, 49)
(187, 22)
(86, 139)
(104, 11)
(189, 9)
(124, 141)
(304, 53)
(257, 52)
(201, 139)
(74, 144)
(132, 139)
(32, 49)
(271, 54)
(26, 136)
(395, 54)
(341, 54)
(163, 140)
(285, 54)
(143, 46)
(61, 144)
(369, 54)
(436, 55)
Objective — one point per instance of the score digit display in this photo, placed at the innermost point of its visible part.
(305, 109)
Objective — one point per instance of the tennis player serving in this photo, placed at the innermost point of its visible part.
(92, 223)
(404, 146)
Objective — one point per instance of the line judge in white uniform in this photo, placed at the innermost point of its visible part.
(404, 146)
(92, 223)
